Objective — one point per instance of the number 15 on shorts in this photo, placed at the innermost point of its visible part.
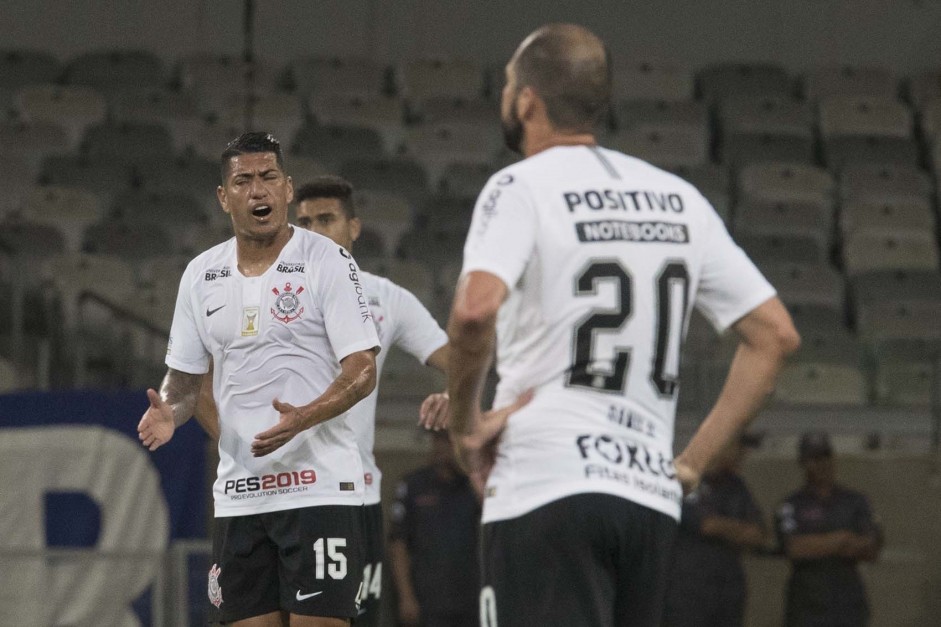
(336, 566)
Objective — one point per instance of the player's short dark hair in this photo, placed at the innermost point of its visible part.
(255, 141)
(569, 69)
(329, 186)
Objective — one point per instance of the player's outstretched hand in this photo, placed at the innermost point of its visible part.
(290, 423)
(434, 411)
(156, 427)
(687, 476)
(477, 451)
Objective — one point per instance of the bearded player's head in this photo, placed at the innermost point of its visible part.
(558, 82)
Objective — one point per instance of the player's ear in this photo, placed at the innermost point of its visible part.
(356, 227)
(290, 183)
(526, 102)
(223, 200)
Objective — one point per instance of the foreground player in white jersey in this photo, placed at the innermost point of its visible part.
(582, 265)
(282, 314)
(325, 206)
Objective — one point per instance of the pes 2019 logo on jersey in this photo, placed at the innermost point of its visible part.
(287, 305)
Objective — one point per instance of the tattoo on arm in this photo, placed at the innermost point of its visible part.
(179, 390)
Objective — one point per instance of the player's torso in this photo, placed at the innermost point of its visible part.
(596, 324)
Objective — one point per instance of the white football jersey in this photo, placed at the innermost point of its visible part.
(604, 256)
(401, 320)
(280, 336)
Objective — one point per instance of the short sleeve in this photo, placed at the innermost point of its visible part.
(416, 331)
(730, 286)
(503, 230)
(347, 318)
(186, 351)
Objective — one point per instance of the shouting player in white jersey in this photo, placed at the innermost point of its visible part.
(582, 265)
(283, 316)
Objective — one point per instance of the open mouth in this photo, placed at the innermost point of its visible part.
(261, 211)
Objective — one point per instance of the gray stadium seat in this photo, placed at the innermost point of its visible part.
(864, 116)
(75, 108)
(887, 286)
(19, 182)
(784, 182)
(177, 112)
(866, 249)
(190, 175)
(931, 120)
(850, 81)
(390, 212)
(414, 276)
(383, 114)
(906, 383)
(303, 169)
(446, 214)
(174, 210)
(426, 78)
(656, 115)
(886, 216)
(70, 209)
(841, 151)
(448, 109)
(821, 384)
(278, 113)
(27, 67)
(713, 182)
(900, 320)
(785, 219)
(651, 80)
(817, 285)
(432, 248)
(212, 79)
(436, 146)
(465, 178)
(35, 141)
(103, 177)
(24, 238)
(774, 249)
(335, 144)
(667, 148)
(129, 241)
(727, 79)
(350, 76)
(404, 378)
(890, 183)
(402, 176)
(773, 115)
(741, 149)
(122, 69)
(129, 142)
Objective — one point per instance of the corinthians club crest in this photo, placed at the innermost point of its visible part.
(215, 590)
(287, 305)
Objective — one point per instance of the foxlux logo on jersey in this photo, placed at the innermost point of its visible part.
(629, 462)
(354, 279)
(270, 485)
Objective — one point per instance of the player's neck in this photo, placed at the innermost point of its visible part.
(536, 142)
(255, 256)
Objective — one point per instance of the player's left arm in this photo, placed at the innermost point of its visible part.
(356, 380)
(207, 413)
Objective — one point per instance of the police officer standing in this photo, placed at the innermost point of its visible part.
(825, 529)
(719, 521)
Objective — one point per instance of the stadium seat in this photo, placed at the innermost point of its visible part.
(384, 210)
(71, 274)
(867, 249)
(383, 114)
(35, 141)
(783, 182)
(213, 79)
(436, 146)
(901, 319)
(817, 285)
(449, 110)
(446, 214)
(27, 67)
(762, 114)
(667, 148)
(414, 276)
(130, 241)
(162, 272)
(116, 69)
(713, 182)
(177, 112)
(850, 81)
(303, 169)
(334, 144)
(278, 113)
(75, 108)
(465, 178)
(931, 121)
(887, 286)
(821, 384)
(404, 378)
(191, 175)
(350, 76)
(130, 143)
(889, 183)
(741, 149)
(840, 151)
(651, 80)
(865, 117)
(176, 212)
(658, 114)
(9, 376)
(19, 181)
(432, 248)
(830, 346)
(785, 219)
(401, 176)
(925, 88)
(70, 209)
(813, 319)
(103, 177)
(742, 79)
(886, 216)
(426, 78)
(210, 138)
(906, 383)
(773, 249)
(22, 237)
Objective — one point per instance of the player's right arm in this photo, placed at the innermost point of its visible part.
(207, 413)
(767, 337)
(169, 409)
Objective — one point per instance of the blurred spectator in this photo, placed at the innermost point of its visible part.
(433, 543)
(825, 530)
(719, 520)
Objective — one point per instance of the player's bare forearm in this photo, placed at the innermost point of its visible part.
(207, 414)
(357, 379)
(180, 390)
(768, 337)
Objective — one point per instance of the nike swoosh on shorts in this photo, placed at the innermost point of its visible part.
(304, 597)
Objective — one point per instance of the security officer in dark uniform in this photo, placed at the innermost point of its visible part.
(719, 520)
(433, 545)
(825, 530)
